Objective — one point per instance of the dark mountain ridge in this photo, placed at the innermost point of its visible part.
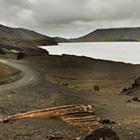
(23, 39)
(111, 34)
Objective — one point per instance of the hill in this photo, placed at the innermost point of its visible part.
(23, 38)
(61, 40)
(113, 34)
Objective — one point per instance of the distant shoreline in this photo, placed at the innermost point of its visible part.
(125, 52)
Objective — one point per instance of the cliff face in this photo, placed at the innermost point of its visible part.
(20, 37)
(116, 34)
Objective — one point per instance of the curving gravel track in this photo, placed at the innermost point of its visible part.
(29, 75)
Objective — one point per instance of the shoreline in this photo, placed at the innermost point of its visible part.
(109, 51)
(86, 57)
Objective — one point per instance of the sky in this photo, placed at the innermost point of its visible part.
(69, 18)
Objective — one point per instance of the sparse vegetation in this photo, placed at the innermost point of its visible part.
(69, 84)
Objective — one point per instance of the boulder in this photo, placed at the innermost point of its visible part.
(107, 121)
(137, 82)
(102, 134)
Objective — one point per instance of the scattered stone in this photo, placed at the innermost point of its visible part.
(137, 81)
(133, 87)
(102, 134)
(136, 99)
(129, 101)
(124, 90)
(9, 96)
(130, 133)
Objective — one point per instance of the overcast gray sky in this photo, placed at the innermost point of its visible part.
(69, 18)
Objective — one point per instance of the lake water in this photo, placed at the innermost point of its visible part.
(128, 52)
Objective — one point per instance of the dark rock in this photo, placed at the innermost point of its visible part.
(138, 100)
(134, 86)
(124, 90)
(137, 81)
(128, 92)
(102, 134)
(107, 121)
(129, 101)
(135, 99)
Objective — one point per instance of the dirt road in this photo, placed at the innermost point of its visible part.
(29, 75)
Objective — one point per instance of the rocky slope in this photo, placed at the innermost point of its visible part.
(116, 34)
(23, 38)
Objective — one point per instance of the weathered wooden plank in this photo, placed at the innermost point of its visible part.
(88, 127)
(86, 123)
(80, 121)
(81, 118)
(79, 114)
(50, 113)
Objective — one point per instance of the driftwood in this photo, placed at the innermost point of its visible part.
(54, 112)
(82, 116)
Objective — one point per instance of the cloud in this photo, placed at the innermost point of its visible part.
(69, 17)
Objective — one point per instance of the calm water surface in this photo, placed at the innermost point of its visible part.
(128, 52)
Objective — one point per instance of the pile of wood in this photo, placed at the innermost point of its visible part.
(84, 120)
(82, 116)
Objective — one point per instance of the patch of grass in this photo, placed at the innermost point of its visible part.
(70, 85)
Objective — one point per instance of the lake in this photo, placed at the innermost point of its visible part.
(128, 52)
